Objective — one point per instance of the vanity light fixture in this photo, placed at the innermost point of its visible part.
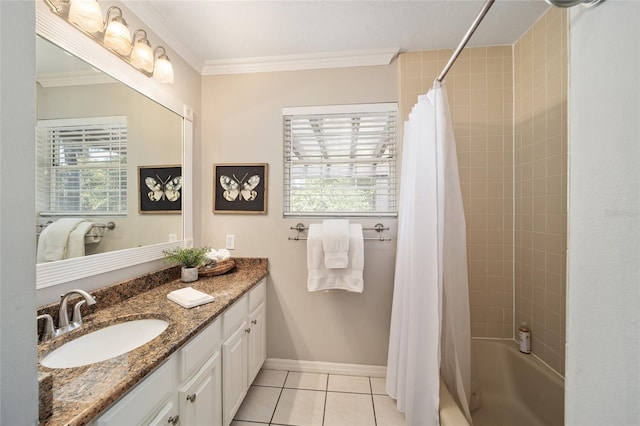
(113, 33)
(141, 54)
(116, 35)
(86, 14)
(163, 70)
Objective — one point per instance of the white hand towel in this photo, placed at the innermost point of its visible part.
(335, 242)
(322, 279)
(189, 297)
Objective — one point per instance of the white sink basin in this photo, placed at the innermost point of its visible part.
(105, 343)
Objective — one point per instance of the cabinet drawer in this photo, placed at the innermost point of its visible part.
(199, 349)
(257, 295)
(144, 400)
(234, 316)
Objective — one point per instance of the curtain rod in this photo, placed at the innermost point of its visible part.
(465, 39)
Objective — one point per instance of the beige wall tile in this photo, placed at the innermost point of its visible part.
(491, 131)
(540, 163)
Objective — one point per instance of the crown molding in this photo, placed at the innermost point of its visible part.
(76, 78)
(147, 14)
(357, 58)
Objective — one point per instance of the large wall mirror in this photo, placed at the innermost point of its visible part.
(111, 185)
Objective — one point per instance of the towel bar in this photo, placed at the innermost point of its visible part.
(378, 227)
(100, 228)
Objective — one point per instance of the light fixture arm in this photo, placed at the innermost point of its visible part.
(118, 16)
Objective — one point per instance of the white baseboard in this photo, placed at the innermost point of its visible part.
(325, 367)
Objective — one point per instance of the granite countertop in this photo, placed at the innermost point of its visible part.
(82, 393)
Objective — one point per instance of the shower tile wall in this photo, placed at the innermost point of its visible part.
(540, 70)
(480, 89)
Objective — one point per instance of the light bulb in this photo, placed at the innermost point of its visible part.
(163, 71)
(117, 36)
(86, 14)
(142, 55)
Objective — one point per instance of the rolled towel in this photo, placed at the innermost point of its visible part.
(212, 255)
(223, 254)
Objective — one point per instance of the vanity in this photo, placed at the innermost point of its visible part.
(197, 371)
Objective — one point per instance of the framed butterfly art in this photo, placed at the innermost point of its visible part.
(240, 188)
(160, 189)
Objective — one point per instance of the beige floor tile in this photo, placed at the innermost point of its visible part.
(259, 404)
(309, 381)
(273, 378)
(387, 413)
(300, 408)
(241, 423)
(349, 409)
(378, 385)
(356, 384)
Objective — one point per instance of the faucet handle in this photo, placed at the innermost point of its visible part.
(77, 315)
(49, 331)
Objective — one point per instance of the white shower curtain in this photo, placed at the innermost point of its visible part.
(430, 327)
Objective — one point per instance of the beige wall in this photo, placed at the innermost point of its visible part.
(540, 64)
(480, 95)
(242, 123)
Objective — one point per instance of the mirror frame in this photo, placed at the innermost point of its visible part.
(54, 29)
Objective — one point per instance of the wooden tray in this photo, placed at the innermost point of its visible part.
(220, 268)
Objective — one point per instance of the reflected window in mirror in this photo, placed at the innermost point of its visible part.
(82, 166)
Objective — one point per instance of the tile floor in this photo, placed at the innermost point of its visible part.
(310, 399)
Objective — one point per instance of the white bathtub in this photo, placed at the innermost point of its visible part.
(516, 389)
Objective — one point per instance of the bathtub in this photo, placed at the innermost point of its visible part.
(515, 389)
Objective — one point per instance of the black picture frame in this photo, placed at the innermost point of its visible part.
(240, 188)
(160, 189)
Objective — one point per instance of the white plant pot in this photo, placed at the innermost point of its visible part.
(189, 275)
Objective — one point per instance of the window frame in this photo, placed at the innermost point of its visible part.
(390, 159)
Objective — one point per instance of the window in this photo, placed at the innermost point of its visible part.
(82, 166)
(340, 160)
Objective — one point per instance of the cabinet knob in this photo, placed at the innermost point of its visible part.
(174, 419)
(191, 398)
(254, 322)
(247, 330)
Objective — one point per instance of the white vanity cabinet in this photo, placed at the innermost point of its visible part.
(185, 390)
(205, 381)
(243, 348)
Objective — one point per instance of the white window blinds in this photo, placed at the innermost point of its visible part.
(340, 161)
(82, 166)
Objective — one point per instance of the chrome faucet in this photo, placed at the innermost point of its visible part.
(63, 316)
(64, 326)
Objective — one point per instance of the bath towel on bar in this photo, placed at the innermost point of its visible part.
(335, 242)
(320, 278)
(75, 246)
(53, 240)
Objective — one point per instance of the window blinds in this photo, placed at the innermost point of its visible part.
(340, 161)
(82, 166)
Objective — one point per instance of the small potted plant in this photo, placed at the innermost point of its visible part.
(190, 258)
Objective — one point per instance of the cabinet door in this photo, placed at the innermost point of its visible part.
(200, 398)
(234, 372)
(257, 342)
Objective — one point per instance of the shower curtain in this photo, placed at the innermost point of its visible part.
(430, 326)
